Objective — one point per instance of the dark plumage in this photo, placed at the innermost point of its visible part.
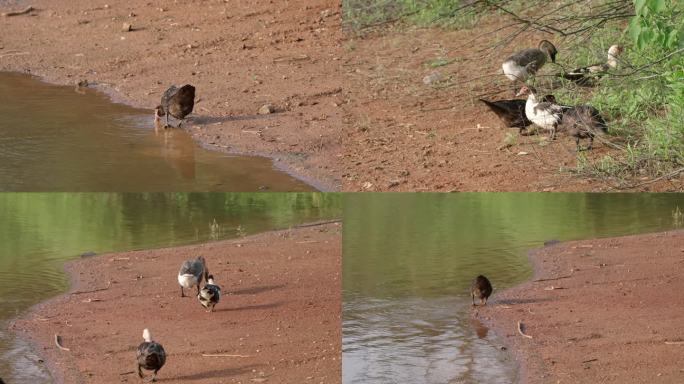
(481, 288)
(512, 112)
(150, 355)
(582, 122)
(1, 382)
(177, 102)
(210, 295)
(191, 273)
(525, 64)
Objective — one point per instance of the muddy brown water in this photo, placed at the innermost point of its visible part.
(40, 231)
(58, 138)
(408, 260)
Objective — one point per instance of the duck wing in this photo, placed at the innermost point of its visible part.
(585, 75)
(532, 58)
(511, 112)
(191, 267)
(182, 101)
(167, 97)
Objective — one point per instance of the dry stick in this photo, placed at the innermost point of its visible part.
(556, 278)
(520, 331)
(109, 284)
(667, 176)
(58, 343)
(674, 342)
(14, 54)
(17, 13)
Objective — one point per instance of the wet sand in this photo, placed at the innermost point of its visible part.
(598, 311)
(279, 314)
(239, 54)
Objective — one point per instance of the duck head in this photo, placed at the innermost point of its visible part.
(613, 52)
(210, 279)
(526, 90)
(550, 49)
(158, 112)
(147, 336)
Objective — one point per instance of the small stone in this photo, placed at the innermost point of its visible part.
(266, 109)
(432, 78)
(126, 27)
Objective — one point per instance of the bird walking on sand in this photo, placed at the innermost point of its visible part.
(150, 355)
(481, 288)
(177, 102)
(191, 273)
(524, 64)
(210, 295)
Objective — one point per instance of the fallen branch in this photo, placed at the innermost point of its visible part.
(520, 331)
(222, 355)
(555, 278)
(58, 343)
(552, 288)
(674, 342)
(109, 284)
(14, 54)
(589, 361)
(126, 373)
(17, 13)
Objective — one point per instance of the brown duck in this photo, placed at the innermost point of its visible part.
(481, 288)
(177, 102)
(583, 122)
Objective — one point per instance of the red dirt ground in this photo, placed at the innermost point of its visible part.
(240, 54)
(615, 318)
(281, 309)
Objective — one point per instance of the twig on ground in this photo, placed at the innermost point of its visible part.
(109, 284)
(58, 343)
(17, 13)
(520, 331)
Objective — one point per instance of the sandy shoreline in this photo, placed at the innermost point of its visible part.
(607, 311)
(239, 54)
(281, 310)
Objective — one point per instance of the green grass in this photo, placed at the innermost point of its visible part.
(360, 14)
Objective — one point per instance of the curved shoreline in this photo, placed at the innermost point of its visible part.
(598, 310)
(301, 138)
(254, 270)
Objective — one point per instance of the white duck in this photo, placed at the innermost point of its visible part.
(191, 273)
(150, 355)
(545, 114)
(524, 64)
(587, 75)
(210, 295)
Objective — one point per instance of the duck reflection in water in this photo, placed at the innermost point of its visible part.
(179, 151)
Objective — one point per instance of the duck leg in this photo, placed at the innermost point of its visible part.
(182, 292)
(140, 374)
(154, 375)
(167, 121)
(591, 143)
(473, 296)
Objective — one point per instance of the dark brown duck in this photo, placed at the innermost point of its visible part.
(177, 102)
(481, 288)
(583, 122)
(512, 112)
(150, 355)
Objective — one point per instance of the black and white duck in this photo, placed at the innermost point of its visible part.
(191, 273)
(583, 122)
(177, 102)
(512, 112)
(587, 76)
(481, 288)
(150, 355)
(210, 295)
(545, 114)
(524, 64)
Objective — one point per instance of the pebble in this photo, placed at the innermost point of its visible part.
(126, 27)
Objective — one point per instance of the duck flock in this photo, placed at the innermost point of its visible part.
(150, 354)
(579, 121)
